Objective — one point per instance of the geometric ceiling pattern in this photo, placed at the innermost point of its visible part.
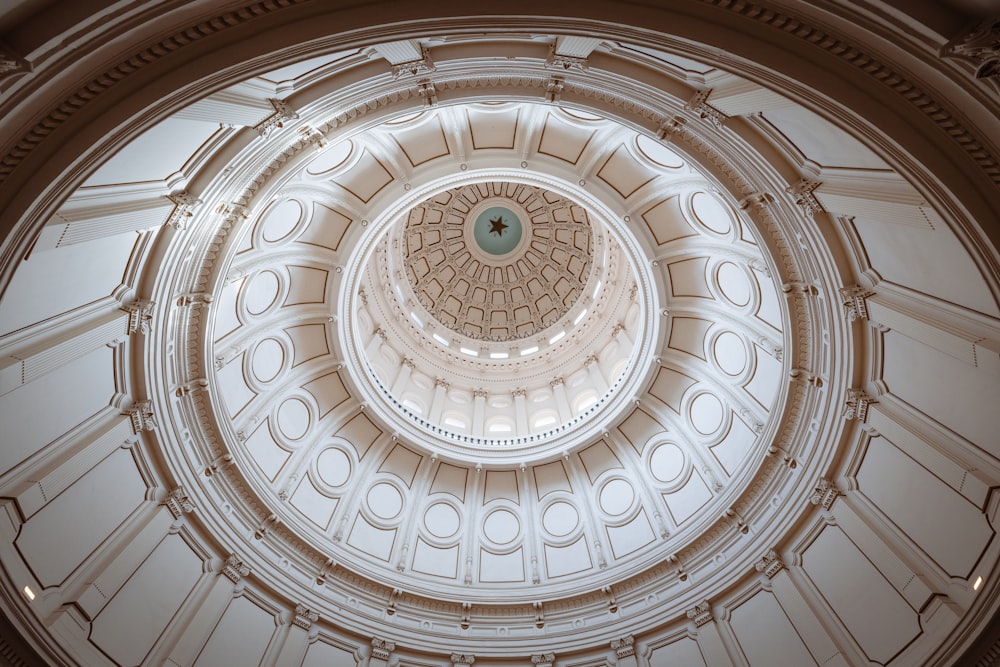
(363, 340)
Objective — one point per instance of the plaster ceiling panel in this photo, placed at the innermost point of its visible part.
(769, 310)
(564, 140)
(667, 222)
(501, 527)
(155, 154)
(308, 342)
(687, 334)
(435, 561)
(168, 575)
(730, 353)
(598, 459)
(670, 386)
(560, 519)
(226, 317)
(260, 292)
(687, 278)
(313, 504)
(329, 392)
(820, 141)
(638, 428)
(684, 651)
(658, 154)
(711, 213)
(360, 432)
(688, 499)
(442, 520)
(666, 462)
(706, 413)
(563, 561)
(732, 450)
(326, 228)
(551, 477)
(875, 614)
(306, 285)
(767, 378)
(333, 466)
(401, 462)
(493, 127)
(384, 501)
(926, 260)
(616, 497)
(241, 636)
(293, 418)
(280, 220)
(500, 485)
(450, 479)
(422, 143)
(233, 386)
(624, 173)
(766, 635)
(267, 360)
(321, 653)
(331, 159)
(498, 568)
(266, 453)
(365, 178)
(733, 283)
(630, 537)
(371, 540)
(36, 293)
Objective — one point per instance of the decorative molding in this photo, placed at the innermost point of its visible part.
(539, 614)
(701, 614)
(554, 88)
(824, 494)
(140, 315)
(979, 45)
(857, 404)
(178, 503)
(771, 564)
(12, 62)
(381, 648)
(853, 298)
(184, 205)
(234, 569)
(304, 617)
(282, 114)
(757, 200)
(700, 106)
(543, 659)
(462, 659)
(624, 647)
(421, 66)
(428, 92)
(141, 416)
(564, 62)
(802, 191)
(669, 127)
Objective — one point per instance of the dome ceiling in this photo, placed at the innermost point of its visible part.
(497, 261)
(509, 343)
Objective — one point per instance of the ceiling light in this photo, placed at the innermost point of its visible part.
(557, 337)
(979, 582)
(466, 350)
(498, 355)
(529, 350)
(580, 317)
(441, 339)
(28, 593)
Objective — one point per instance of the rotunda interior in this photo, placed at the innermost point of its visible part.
(635, 335)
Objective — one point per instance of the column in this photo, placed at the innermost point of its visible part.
(708, 636)
(402, 376)
(520, 412)
(558, 386)
(381, 651)
(183, 642)
(800, 613)
(625, 651)
(293, 648)
(596, 376)
(478, 412)
(437, 404)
